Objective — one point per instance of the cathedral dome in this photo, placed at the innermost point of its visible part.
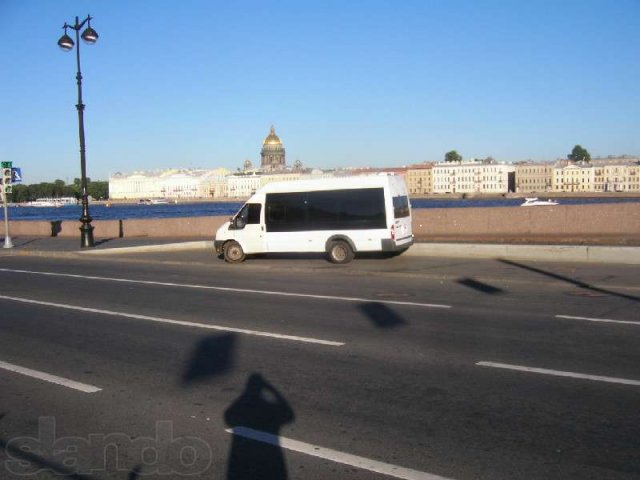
(272, 138)
(272, 155)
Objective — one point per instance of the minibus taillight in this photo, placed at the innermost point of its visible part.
(393, 232)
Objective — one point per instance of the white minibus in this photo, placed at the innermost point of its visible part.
(339, 216)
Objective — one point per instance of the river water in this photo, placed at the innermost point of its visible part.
(202, 209)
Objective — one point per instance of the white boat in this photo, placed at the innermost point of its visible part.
(535, 202)
(64, 201)
(53, 202)
(153, 201)
(44, 202)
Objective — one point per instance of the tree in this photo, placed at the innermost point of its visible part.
(98, 190)
(452, 156)
(579, 154)
(26, 193)
(58, 189)
(21, 194)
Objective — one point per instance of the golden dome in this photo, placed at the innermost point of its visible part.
(272, 138)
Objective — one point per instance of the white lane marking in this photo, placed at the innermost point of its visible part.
(175, 322)
(230, 289)
(559, 373)
(603, 320)
(334, 455)
(83, 387)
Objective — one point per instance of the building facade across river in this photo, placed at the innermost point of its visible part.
(421, 180)
(610, 174)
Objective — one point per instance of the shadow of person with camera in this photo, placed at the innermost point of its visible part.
(255, 420)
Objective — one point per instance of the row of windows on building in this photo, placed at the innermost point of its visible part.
(422, 180)
(197, 184)
(524, 178)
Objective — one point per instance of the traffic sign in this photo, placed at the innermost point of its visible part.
(16, 175)
(6, 164)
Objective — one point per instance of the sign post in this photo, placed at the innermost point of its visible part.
(7, 177)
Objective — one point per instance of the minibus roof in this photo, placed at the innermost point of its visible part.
(335, 183)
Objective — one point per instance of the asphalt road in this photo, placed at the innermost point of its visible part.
(178, 365)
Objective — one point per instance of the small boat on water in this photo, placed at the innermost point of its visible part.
(535, 202)
(42, 203)
(53, 202)
(153, 201)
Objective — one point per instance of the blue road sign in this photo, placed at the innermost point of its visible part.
(16, 175)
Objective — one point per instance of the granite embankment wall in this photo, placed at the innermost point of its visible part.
(605, 224)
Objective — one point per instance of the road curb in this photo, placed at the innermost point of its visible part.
(166, 247)
(556, 253)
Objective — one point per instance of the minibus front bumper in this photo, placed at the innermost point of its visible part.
(218, 244)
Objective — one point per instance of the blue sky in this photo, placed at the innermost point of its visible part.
(198, 83)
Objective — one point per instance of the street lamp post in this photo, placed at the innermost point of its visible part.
(66, 43)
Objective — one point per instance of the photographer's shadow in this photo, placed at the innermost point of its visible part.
(255, 420)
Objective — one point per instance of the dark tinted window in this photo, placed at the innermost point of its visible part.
(286, 212)
(254, 213)
(347, 209)
(400, 207)
(326, 210)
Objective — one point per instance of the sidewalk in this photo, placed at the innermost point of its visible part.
(50, 245)
(65, 246)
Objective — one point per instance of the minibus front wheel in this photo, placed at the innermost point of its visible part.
(233, 252)
(340, 252)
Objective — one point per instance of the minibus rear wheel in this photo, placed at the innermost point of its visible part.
(340, 252)
(233, 252)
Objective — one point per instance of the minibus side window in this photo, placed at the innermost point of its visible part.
(254, 213)
(364, 209)
(286, 212)
(359, 208)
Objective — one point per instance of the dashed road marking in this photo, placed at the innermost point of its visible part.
(47, 377)
(559, 373)
(334, 455)
(170, 321)
(230, 289)
(603, 320)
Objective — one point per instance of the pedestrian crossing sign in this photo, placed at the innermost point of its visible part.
(16, 175)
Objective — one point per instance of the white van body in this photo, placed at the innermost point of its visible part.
(364, 213)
